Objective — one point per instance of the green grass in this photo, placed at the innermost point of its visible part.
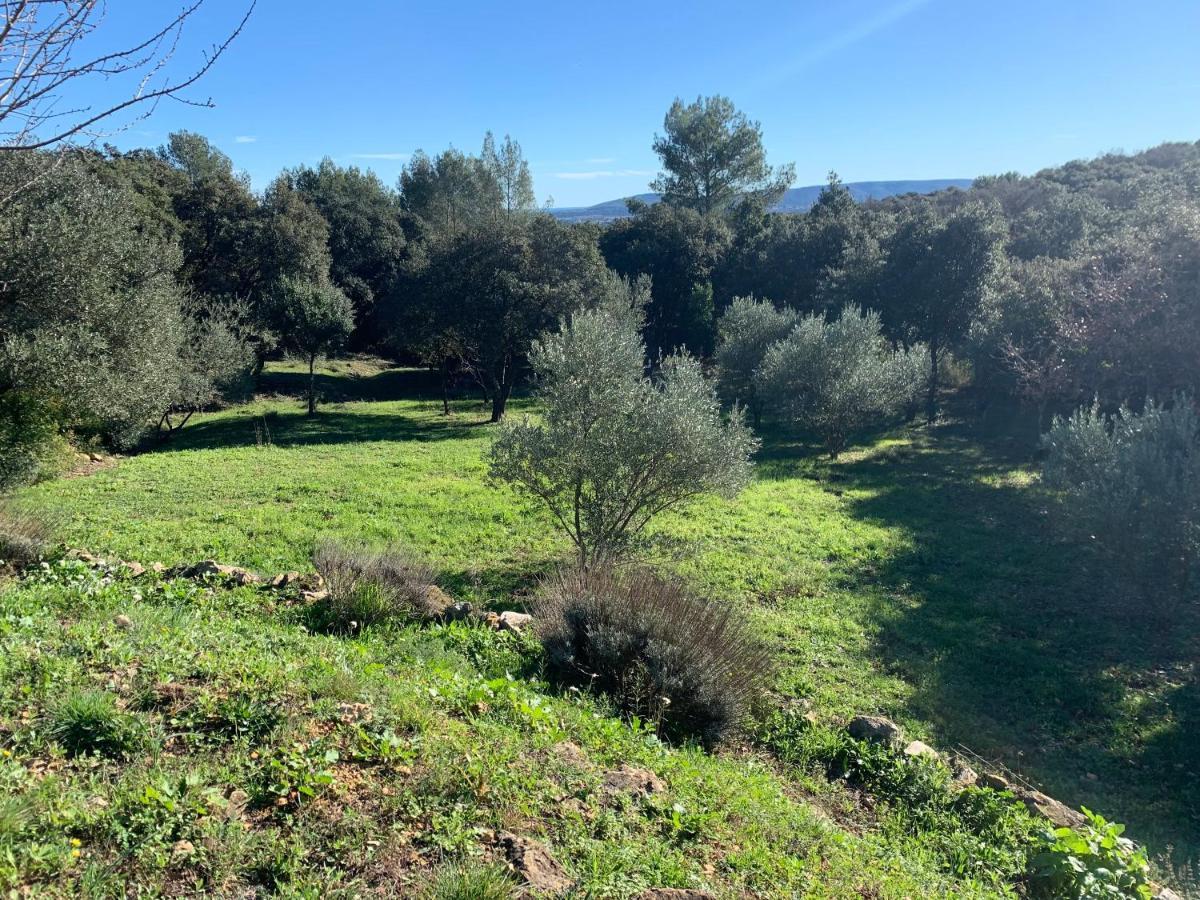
(917, 577)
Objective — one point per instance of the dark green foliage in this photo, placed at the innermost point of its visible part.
(1092, 861)
(369, 587)
(713, 157)
(89, 721)
(1130, 482)
(690, 666)
(314, 318)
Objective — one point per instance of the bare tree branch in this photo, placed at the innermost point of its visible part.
(42, 44)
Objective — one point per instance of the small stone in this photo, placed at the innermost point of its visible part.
(157, 567)
(238, 800)
(313, 596)
(630, 780)
(95, 457)
(285, 580)
(534, 863)
(123, 622)
(135, 569)
(995, 782)
(514, 621)
(876, 730)
(459, 611)
(920, 748)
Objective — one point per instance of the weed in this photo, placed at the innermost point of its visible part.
(89, 721)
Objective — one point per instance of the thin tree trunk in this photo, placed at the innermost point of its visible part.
(312, 385)
(931, 404)
(502, 391)
(445, 387)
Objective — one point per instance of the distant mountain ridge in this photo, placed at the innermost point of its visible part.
(798, 199)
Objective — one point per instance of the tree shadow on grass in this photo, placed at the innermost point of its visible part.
(295, 429)
(389, 384)
(1017, 645)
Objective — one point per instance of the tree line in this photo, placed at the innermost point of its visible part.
(140, 286)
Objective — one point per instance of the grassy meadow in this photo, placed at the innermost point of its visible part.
(915, 577)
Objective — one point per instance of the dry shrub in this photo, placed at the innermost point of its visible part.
(687, 664)
(367, 587)
(25, 535)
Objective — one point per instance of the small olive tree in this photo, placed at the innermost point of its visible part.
(744, 334)
(615, 447)
(1130, 482)
(838, 377)
(314, 318)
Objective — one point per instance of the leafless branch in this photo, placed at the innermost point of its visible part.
(43, 52)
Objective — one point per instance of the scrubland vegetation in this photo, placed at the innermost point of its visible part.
(756, 476)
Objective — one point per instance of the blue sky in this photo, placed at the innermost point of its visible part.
(876, 89)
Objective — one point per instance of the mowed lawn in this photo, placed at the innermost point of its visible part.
(917, 577)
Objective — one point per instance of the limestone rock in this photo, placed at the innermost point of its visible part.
(514, 621)
(1059, 814)
(876, 729)
(285, 580)
(135, 569)
(630, 780)
(993, 781)
(210, 568)
(920, 748)
(534, 863)
(459, 612)
(123, 622)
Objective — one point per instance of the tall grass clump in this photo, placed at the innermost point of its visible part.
(89, 721)
(1130, 482)
(25, 535)
(367, 587)
(688, 665)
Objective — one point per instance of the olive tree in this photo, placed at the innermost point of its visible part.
(839, 377)
(314, 318)
(615, 447)
(1130, 482)
(744, 334)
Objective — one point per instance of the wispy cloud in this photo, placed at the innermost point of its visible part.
(605, 173)
(245, 139)
(395, 156)
(849, 36)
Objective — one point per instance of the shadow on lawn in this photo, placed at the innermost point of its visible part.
(295, 429)
(1016, 644)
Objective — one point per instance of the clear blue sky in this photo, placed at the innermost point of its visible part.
(876, 89)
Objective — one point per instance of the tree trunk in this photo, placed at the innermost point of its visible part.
(501, 391)
(445, 387)
(931, 403)
(312, 385)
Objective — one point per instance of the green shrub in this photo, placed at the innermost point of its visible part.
(688, 665)
(89, 721)
(1091, 861)
(744, 333)
(1131, 483)
(838, 378)
(473, 881)
(368, 587)
(24, 535)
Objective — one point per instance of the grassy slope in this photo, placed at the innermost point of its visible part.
(915, 578)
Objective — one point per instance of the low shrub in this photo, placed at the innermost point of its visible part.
(24, 535)
(89, 721)
(688, 665)
(368, 587)
(1094, 860)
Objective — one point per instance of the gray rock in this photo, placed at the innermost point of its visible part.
(1050, 809)
(920, 748)
(460, 611)
(876, 729)
(513, 621)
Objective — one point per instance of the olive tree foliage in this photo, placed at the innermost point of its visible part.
(744, 334)
(713, 157)
(614, 446)
(1130, 482)
(315, 318)
(839, 377)
(98, 336)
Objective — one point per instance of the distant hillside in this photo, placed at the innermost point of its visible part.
(797, 199)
